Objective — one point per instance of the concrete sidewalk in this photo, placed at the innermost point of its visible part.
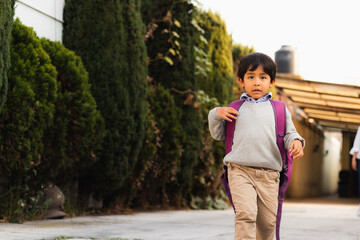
(320, 219)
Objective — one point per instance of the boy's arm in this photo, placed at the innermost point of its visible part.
(217, 117)
(216, 125)
(292, 134)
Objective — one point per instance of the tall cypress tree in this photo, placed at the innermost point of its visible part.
(6, 20)
(190, 119)
(220, 80)
(172, 64)
(215, 81)
(109, 37)
(71, 144)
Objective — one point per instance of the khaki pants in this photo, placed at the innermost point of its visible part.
(255, 196)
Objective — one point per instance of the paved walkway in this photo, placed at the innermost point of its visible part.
(320, 219)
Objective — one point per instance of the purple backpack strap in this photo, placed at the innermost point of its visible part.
(285, 175)
(230, 127)
(229, 135)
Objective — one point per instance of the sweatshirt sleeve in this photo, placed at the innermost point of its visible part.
(291, 133)
(216, 125)
(356, 145)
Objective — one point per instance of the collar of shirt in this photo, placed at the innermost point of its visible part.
(265, 98)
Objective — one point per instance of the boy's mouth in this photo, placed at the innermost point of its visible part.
(256, 90)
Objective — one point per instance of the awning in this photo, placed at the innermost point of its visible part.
(333, 106)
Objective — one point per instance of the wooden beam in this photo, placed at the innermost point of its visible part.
(333, 97)
(352, 127)
(334, 118)
(320, 87)
(327, 108)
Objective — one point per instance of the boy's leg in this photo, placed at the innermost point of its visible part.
(244, 198)
(267, 189)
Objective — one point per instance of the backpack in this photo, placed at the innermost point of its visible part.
(285, 175)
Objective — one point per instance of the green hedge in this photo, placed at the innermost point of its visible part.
(26, 116)
(170, 46)
(50, 127)
(154, 180)
(109, 37)
(6, 20)
(220, 80)
(74, 141)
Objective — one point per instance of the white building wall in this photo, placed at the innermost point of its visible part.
(44, 16)
(332, 162)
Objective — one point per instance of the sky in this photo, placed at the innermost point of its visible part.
(324, 33)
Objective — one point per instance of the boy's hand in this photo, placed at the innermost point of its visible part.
(296, 149)
(227, 113)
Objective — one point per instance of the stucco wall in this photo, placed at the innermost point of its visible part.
(44, 16)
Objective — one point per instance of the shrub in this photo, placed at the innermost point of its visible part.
(109, 37)
(26, 116)
(154, 181)
(170, 45)
(220, 79)
(72, 144)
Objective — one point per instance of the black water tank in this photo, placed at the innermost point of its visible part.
(286, 61)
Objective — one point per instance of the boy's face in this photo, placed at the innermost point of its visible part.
(256, 83)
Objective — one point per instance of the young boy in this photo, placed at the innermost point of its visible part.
(254, 162)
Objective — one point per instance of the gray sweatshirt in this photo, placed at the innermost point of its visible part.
(254, 142)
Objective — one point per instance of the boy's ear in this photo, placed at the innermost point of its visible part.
(273, 82)
(240, 81)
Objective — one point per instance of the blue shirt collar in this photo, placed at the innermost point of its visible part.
(265, 98)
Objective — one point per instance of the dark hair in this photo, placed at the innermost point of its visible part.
(252, 61)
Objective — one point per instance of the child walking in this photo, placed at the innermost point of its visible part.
(254, 162)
